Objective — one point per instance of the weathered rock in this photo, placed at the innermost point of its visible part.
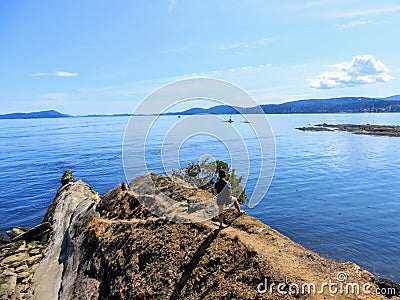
(15, 260)
(8, 282)
(34, 251)
(23, 275)
(390, 287)
(12, 248)
(33, 268)
(172, 198)
(14, 232)
(314, 129)
(21, 248)
(19, 294)
(24, 228)
(34, 233)
(56, 274)
(27, 279)
(34, 244)
(23, 288)
(33, 259)
(120, 203)
(4, 240)
(22, 268)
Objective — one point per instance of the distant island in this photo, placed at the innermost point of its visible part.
(35, 115)
(309, 106)
(54, 114)
(306, 106)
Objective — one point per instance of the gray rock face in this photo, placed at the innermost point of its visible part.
(54, 277)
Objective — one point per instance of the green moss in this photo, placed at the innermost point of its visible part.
(35, 244)
(94, 192)
(18, 230)
(67, 177)
(216, 256)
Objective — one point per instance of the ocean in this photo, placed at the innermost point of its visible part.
(335, 193)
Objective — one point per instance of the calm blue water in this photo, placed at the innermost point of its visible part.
(335, 193)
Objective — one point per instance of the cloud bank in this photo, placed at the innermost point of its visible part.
(362, 69)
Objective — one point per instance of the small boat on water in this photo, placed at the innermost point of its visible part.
(229, 121)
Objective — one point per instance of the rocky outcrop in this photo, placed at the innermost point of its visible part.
(314, 129)
(368, 129)
(19, 258)
(173, 198)
(120, 203)
(113, 248)
(56, 276)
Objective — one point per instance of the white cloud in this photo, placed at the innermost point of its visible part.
(41, 74)
(362, 69)
(249, 44)
(357, 23)
(171, 5)
(250, 68)
(65, 74)
(353, 24)
(366, 12)
(57, 74)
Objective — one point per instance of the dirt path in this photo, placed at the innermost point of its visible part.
(299, 266)
(130, 221)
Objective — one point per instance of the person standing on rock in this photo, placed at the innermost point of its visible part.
(223, 190)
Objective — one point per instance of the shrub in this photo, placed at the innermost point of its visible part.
(204, 175)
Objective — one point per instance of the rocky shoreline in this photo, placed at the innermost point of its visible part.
(19, 258)
(111, 247)
(368, 129)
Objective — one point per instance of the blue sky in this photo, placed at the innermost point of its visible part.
(82, 57)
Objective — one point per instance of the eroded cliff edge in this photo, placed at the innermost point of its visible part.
(111, 247)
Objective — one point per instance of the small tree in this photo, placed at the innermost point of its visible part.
(204, 175)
